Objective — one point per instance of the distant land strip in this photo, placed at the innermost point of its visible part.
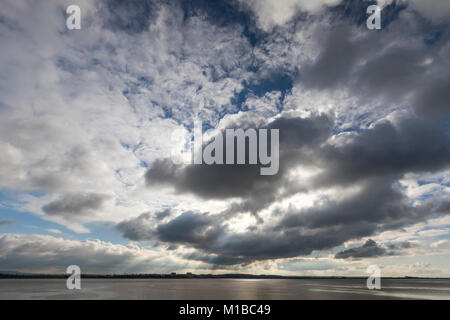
(19, 275)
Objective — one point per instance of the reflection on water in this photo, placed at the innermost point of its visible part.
(227, 289)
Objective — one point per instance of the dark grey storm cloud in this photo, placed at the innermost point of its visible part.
(75, 204)
(298, 136)
(378, 65)
(402, 245)
(373, 210)
(185, 228)
(370, 249)
(329, 225)
(434, 97)
(372, 160)
(384, 152)
(387, 150)
(335, 61)
(136, 229)
(189, 228)
(376, 202)
(7, 222)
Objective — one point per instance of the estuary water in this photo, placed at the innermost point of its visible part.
(226, 289)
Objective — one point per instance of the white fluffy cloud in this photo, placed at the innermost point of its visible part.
(81, 112)
(439, 244)
(53, 254)
(271, 13)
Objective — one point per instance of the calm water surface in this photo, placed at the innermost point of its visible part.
(227, 289)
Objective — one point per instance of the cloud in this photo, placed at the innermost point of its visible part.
(132, 16)
(140, 228)
(75, 204)
(387, 150)
(189, 228)
(370, 162)
(271, 13)
(297, 136)
(435, 10)
(370, 249)
(335, 61)
(25, 252)
(373, 210)
(384, 153)
(55, 231)
(7, 222)
(439, 244)
(380, 66)
(90, 113)
(433, 99)
(403, 245)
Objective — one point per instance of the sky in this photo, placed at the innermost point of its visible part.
(89, 119)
